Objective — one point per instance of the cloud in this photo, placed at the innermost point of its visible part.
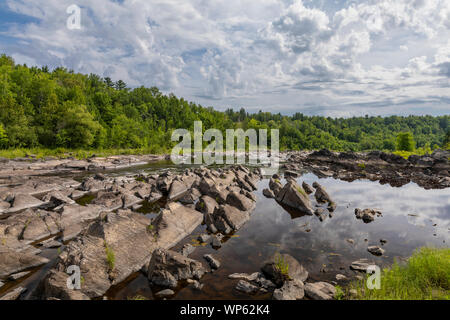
(286, 56)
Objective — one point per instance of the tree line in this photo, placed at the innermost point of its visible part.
(63, 109)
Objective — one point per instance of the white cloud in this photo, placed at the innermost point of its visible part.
(278, 55)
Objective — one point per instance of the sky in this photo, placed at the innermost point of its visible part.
(335, 58)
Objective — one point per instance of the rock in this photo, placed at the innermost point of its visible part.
(213, 263)
(216, 241)
(54, 286)
(341, 277)
(177, 190)
(17, 276)
(206, 205)
(14, 295)
(308, 189)
(292, 195)
(351, 241)
(268, 193)
(24, 201)
(165, 293)
(367, 215)
(204, 238)
(108, 251)
(51, 244)
(110, 200)
(320, 213)
(233, 217)
(281, 267)
(361, 265)
(195, 284)
(12, 262)
(187, 249)
(167, 267)
(244, 276)
(240, 201)
(175, 223)
(275, 185)
(55, 199)
(383, 241)
(321, 195)
(246, 287)
(289, 173)
(291, 290)
(164, 182)
(1, 284)
(320, 291)
(375, 250)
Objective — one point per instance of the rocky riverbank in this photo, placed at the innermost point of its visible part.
(109, 239)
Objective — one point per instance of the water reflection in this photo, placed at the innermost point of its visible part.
(412, 217)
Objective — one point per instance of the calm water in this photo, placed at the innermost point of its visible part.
(412, 217)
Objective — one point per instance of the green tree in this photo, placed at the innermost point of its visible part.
(77, 128)
(405, 142)
(447, 141)
(3, 137)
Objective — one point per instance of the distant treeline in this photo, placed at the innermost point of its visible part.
(60, 108)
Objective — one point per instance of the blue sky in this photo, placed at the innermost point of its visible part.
(320, 57)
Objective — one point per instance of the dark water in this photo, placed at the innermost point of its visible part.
(412, 217)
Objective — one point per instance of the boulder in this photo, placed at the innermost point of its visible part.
(175, 223)
(291, 290)
(12, 262)
(361, 265)
(240, 201)
(233, 217)
(268, 193)
(246, 287)
(292, 195)
(282, 267)
(308, 189)
(206, 205)
(275, 185)
(320, 291)
(167, 267)
(177, 190)
(321, 195)
(107, 252)
(375, 250)
(213, 262)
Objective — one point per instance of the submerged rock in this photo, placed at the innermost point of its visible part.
(367, 215)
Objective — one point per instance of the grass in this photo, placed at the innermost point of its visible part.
(137, 297)
(80, 154)
(362, 165)
(300, 190)
(282, 266)
(425, 276)
(110, 257)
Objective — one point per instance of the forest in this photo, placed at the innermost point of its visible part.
(42, 108)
